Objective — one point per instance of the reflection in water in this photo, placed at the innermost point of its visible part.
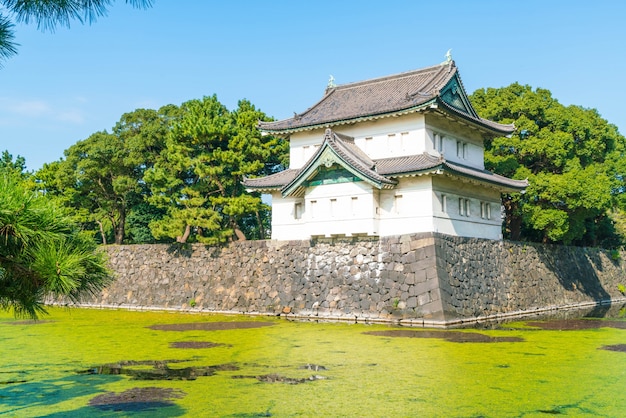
(576, 324)
(616, 347)
(159, 371)
(137, 399)
(211, 326)
(277, 378)
(453, 336)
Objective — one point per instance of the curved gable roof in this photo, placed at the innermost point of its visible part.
(438, 86)
(339, 149)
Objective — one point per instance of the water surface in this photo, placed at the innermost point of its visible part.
(84, 362)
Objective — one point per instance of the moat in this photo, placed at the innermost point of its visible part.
(87, 362)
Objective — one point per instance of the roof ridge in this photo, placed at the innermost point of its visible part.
(391, 76)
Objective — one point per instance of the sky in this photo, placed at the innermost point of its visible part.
(66, 85)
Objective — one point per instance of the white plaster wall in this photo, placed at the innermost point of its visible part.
(416, 205)
(451, 220)
(407, 208)
(284, 224)
(341, 209)
(398, 136)
(453, 133)
(389, 137)
(302, 146)
(382, 138)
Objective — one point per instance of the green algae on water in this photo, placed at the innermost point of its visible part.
(271, 367)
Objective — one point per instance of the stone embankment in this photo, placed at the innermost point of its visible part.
(420, 279)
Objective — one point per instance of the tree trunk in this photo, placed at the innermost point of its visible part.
(240, 235)
(119, 228)
(183, 238)
(102, 234)
(513, 221)
(238, 232)
(261, 228)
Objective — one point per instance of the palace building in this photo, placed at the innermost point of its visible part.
(394, 155)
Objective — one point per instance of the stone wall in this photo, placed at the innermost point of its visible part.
(481, 278)
(427, 279)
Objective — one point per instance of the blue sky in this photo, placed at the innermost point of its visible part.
(66, 85)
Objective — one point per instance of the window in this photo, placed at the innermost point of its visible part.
(485, 210)
(313, 208)
(444, 203)
(464, 207)
(333, 207)
(397, 203)
(461, 149)
(297, 211)
(392, 143)
(354, 205)
(404, 140)
(437, 142)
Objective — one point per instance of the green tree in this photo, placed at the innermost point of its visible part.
(143, 133)
(198, 177)
(101, 177)
(42, 252)
(571, 157)
(93, 179)
(6, 162)
(47, 14)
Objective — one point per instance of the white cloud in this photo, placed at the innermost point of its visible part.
(71, 115)
(27, 110)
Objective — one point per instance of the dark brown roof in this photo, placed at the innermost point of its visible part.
(438, 86)
(381, 173)
(425, 163)
(273, 181)
(485, 176)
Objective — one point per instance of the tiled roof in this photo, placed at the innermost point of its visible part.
(402, 165)
(351, 156)
(273, 181)
(485, 176)
(423, 163)
(409, 91)
(381, 172)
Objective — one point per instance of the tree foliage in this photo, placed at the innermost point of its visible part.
(573, 160)
(198, 176)
(42, 252)
(175, 173)
(47, 15)
(6, 163)
(101, 177)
